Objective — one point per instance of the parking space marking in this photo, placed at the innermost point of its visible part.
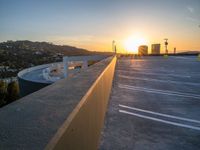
(141, 69)
(160, 74)
(183, 58)
(160, 120)
(165, 92)
(157, 80)
(160, 114)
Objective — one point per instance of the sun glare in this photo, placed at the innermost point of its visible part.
(132, 43)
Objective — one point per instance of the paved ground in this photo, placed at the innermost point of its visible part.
(155, 105)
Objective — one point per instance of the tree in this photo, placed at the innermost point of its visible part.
(13, 91)
(3, 92)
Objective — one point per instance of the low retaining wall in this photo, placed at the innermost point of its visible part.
(68, 114)
(82, 129)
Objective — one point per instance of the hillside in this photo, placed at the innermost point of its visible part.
(19, 46)
(189, 52)
(17, 55)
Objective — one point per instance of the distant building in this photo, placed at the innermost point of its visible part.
(174, 50)
(143, 50)
(155, 49)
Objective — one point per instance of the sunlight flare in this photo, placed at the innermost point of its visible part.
(133, 42)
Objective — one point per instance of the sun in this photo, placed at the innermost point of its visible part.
(132, 43)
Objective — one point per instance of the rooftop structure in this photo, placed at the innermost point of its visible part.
(35, 78)
(155, 49)
(143, 50)
(166, 44)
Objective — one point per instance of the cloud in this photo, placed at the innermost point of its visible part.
(190, 9)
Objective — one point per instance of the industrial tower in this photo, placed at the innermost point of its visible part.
(166, 44)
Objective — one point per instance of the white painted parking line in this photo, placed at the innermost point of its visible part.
(157, 80)
(160, 120)
(148, 69)
(184, 58)
(160, 114)
(159, 74)
(165, 92)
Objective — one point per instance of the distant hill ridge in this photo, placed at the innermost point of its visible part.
(42, 46)
(190, 52)
(17, 55)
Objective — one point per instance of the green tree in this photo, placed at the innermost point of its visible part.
(13, 92)
(3, 92)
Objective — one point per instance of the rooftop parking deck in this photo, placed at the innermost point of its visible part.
(154, 104)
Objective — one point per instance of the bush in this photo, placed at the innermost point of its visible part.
(3, 93)
(12, 92)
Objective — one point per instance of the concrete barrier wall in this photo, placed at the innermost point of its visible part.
(71, 110)
(82, 129)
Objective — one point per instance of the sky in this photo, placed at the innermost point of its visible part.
(94, 24)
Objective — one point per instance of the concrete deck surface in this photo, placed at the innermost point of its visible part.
(154, 105)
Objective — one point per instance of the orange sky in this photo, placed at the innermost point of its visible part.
(93, 25)
(182, 43)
